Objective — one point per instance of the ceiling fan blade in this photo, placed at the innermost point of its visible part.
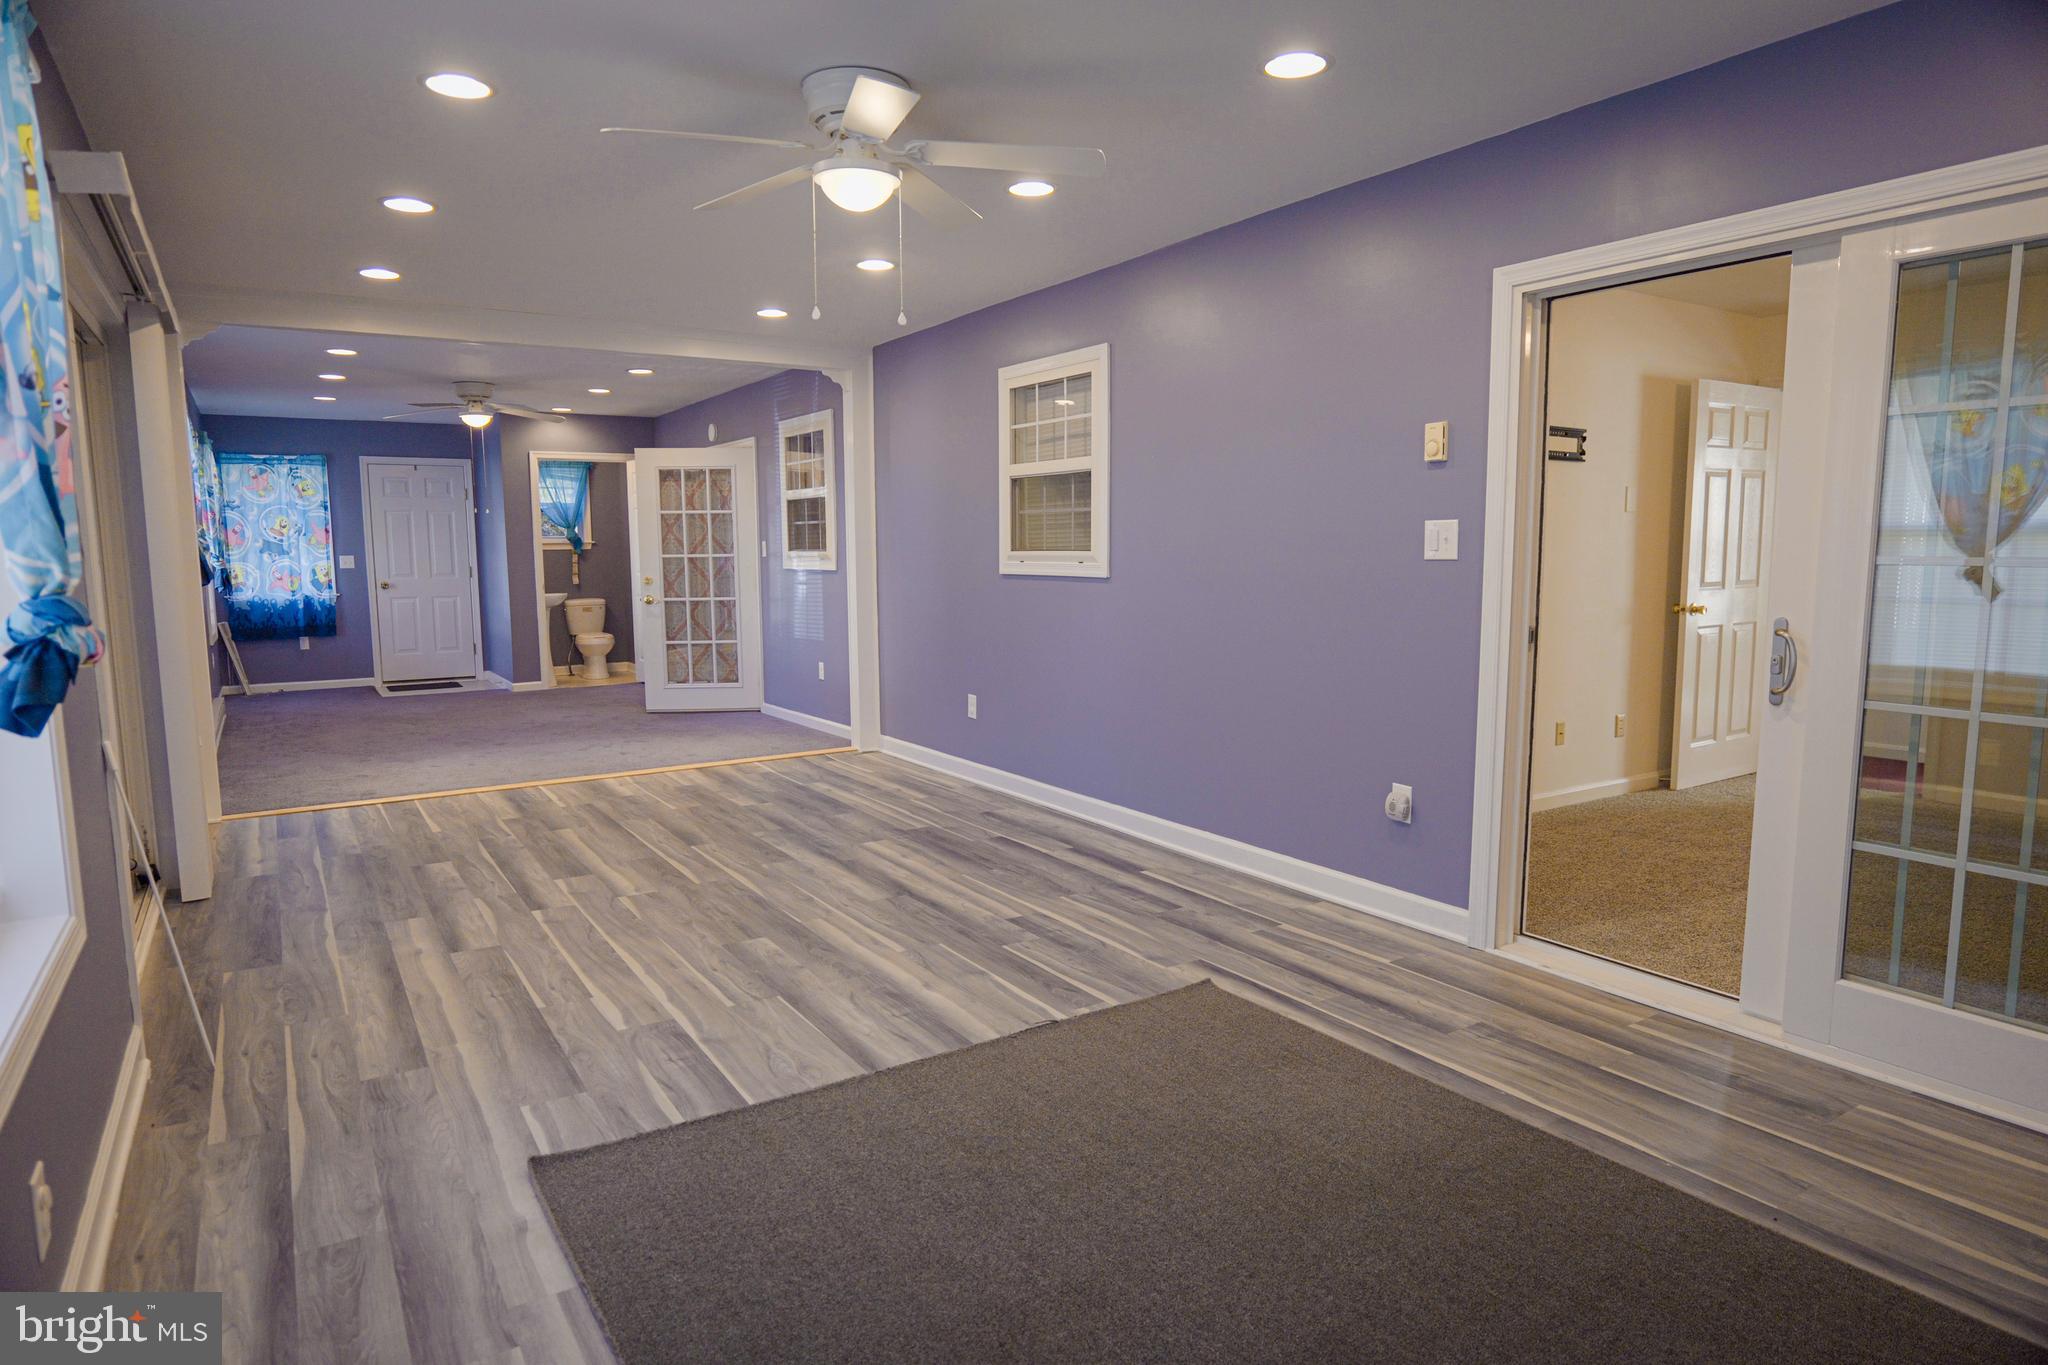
(876, 108)
(718, 137)
(410, 416)
(514, 410)
(795, 175)
(934, 201)
(1009, 156)
(434, 405)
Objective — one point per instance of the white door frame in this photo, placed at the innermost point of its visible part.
(1811, 231)
(476, 613)
(540, 577)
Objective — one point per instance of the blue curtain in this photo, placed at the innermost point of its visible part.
(48, 634)
(278, 533)
(206, 509)
(564, 493)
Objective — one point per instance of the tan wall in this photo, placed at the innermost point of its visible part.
(1622, 365)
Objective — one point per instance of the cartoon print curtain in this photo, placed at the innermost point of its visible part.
(206, 510)
(48, 634)
(278, 536)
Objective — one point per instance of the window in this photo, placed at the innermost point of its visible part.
(279, 539)
(564, 505)
(1054, 465)
(808, 498)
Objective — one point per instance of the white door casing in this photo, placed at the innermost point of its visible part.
(700, 578)
(422, 551)
(1723, 641)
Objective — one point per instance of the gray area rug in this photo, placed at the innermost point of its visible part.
(285, 749)
(1191, 1177)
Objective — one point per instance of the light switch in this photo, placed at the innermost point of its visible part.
(1440, 539)
(348, 561)
(1436, 442)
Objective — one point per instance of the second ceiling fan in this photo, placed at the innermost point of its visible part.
(858, 109)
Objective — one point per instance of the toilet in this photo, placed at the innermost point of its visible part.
(586, 628)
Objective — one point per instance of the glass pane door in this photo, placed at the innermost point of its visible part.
(1948, 884)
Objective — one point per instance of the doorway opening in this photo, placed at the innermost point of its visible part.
(1663, 402)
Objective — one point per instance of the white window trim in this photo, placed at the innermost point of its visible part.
(1093, 361)
(798, 426)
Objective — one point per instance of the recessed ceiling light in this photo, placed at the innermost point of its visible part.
(405, 203)
(1292, 66)
(561, 409)
(597, 390)
(377, 272)
(875, 263)
(339, 350)
(456, 86)
(638, 370)
(1031, 189)
(323, 398)
(771, 312)
(333, 378)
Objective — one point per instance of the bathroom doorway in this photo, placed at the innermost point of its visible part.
(585, 588)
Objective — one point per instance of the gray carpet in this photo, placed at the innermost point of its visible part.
(1191, 1177)
(284, 749)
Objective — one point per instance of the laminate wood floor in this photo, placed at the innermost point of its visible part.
(411, 999)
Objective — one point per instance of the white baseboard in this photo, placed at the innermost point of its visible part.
(1594, 791)
(1325, 883)
(146, 925)
(830, 727)
(307, 685)
(86, 1269)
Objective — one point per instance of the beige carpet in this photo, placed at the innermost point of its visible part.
(1656, 879)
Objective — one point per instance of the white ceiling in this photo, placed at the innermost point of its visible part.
(270, 372)
(1761, 289)
(262, 133)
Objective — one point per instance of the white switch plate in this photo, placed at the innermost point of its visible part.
(972, 703)
(821, 670)
(348, 561)
(1440, 539)
(1436, 442)
(1628, 498)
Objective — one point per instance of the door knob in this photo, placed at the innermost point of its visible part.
(1688, 608)
(382, 584)
(648, 599)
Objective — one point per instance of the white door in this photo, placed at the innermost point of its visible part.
(422, 546)
(1722, 640)
(1919, 889)
(700, 580)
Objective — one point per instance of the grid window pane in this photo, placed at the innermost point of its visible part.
(1898, 923)
(2005, 800)
(2030, 342)
(1909, 788)
(805, 521)
(1924, 626)
(1937, 482)
(2002, 955)
(699, 600)
(1051, 512)
(1950, 333)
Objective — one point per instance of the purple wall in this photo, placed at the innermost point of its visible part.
(516, 440)
(347, 652)
(803, 613)
(1271, 650)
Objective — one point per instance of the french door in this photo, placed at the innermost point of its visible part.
(700, 584)
(1919, 928)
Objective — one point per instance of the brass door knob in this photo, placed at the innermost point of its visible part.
(649, 599)
(1688, 609)
(382, 583)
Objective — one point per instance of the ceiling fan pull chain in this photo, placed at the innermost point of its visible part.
(816, 313)
(902, 316)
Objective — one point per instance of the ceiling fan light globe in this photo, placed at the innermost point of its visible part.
(855, 187)
(478, 420)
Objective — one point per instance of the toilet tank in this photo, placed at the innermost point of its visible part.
(585, 615)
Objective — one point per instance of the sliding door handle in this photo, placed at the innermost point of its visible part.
(1784, 660)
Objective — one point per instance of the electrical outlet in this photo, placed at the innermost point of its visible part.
(821, 670)
(348, 561)
(44, 1203)
(1560, 734)
(1620, 726)
(972, 703)
(305, 643)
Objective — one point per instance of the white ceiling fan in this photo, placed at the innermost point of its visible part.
(858, 109)
(473, 404)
